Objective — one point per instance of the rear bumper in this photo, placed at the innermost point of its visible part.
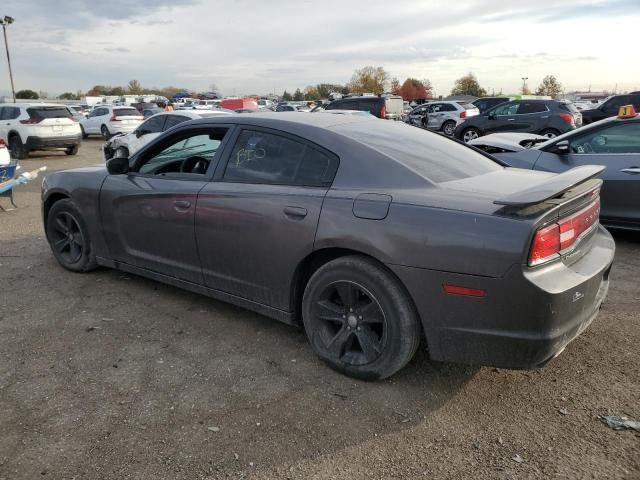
(115, 128)
(525, 319)
(43, 143)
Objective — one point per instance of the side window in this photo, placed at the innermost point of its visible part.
(173, 120)
(436, 107)
(619, 138)
(613, 105)
(506, 110)
(153, 125)
(266, 158)
(447, 107)
(531, 107)
(3, 112)
(187, 154)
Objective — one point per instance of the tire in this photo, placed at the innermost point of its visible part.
(105, 132)
(72, 150)
(470, 133)
(550, 133)
(448, 128)
(17, 149)
(68, 237)
(85, 135)
(359, 319)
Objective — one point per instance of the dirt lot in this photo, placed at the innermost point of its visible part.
(110, 376)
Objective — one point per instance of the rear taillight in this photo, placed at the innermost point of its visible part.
(2, 143)
(567, 117)
(114, 118)
(463, 114)
(383, 112)
(31, 121)
(550, 241)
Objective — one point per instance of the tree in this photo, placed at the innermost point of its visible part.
(369, 80)
(549, 86)
(395, 86)
(69, 96)
(428, 88)
(413, 89)
(116, 91)
(134, 87)
(468, 85)
(311, 93)
(298, 96)
(286, 96)
(97, 91)
(324, 89)
(27, 95)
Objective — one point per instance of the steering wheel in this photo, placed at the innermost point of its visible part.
(195, 164)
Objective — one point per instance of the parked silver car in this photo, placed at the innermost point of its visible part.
(442, 116)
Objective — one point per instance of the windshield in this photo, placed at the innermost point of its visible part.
(430, 155)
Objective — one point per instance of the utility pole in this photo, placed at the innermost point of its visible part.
(4, 22)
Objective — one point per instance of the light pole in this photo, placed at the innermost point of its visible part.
(524, 84)
(4, 22)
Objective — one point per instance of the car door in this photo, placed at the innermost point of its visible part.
(417, 114)
(530, 117)
(435, 116)
(92, 124)
(148, 215)
(502, 118)
(258, 219)
(617, 147)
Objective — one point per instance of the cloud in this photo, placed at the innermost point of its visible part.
(252, 46)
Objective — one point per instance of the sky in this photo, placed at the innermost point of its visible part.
(262, 46)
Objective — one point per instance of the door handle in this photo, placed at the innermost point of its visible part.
(295, 212)
(182, 204)
(631, 170)
(511, 119)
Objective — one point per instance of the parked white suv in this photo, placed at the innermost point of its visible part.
(442, 116)
(26, 127)
(107, 120)
(126, 145)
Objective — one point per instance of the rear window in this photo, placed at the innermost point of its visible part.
(126, 112)
(430, 155)
(48, 112)
(468, 106)
(569, 107)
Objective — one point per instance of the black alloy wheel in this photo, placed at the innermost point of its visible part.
(350, 323)
(66, 237)
(359, 318)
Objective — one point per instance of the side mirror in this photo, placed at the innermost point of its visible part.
(118, 165)
(139, 133)
(562, 147)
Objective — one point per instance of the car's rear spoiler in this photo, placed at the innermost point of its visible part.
(552, 187)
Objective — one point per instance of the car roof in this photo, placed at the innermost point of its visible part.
(29, 105)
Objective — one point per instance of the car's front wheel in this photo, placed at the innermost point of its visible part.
(69, 238)
(359, 319)
(104, 130)
(469, 134)
(448, 128)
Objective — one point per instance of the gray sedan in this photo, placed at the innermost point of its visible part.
(613, 143)
(371, 235)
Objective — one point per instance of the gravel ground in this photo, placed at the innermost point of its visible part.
(111, 376)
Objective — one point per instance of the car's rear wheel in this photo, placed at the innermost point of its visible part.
(469, 134)
(17, 148)
(85, 135)
(448, 128)
(104, 130)
(359, 319)
(550, 133)
(69, 238)
(72, 150)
